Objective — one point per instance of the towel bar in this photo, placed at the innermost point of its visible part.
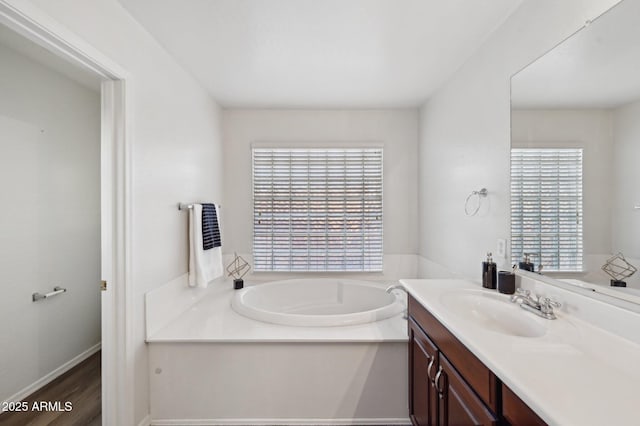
(56, 291)
(182, 206)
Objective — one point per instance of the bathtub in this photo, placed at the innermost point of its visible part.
(209, 364)
(320, 302)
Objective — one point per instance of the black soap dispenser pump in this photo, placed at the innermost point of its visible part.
(527, 264)
(489, 273)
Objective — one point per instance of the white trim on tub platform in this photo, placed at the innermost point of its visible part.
(269, 422)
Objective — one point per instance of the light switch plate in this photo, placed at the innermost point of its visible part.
(501, 248)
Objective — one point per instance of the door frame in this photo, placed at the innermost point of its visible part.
(115, 162)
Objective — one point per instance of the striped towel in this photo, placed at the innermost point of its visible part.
(210, 227)
(204, 265)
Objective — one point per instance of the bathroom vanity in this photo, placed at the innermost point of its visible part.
(448, 385)
(476, 358)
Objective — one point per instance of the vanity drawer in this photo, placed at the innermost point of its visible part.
(474, 372)
(423, 340)
(516, 412)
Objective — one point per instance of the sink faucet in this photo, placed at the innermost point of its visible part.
(543, 306)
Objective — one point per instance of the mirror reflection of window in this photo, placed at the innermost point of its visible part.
(585, 93)
(546, 207)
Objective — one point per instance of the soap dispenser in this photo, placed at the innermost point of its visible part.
(527, 264)
(489, 273)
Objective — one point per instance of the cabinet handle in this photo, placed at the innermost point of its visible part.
(431, 379)
(437, 380)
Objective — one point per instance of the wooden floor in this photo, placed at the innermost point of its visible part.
(80, 386)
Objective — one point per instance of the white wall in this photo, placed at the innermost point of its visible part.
(177, 153)
(396, 129)
(592, 130)
(465, 137)
(49, 220)
(626, 220)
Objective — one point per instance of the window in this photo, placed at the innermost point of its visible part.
(317, 209)
(546, 207)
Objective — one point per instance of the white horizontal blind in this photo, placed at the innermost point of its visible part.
(546, 206)
(317, 209)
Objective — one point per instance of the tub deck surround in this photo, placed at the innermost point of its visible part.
(575, 373)
(211, 365)
(212, 319)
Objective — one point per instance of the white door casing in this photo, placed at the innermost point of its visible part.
(117, 312)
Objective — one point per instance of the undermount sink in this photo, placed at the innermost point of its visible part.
(492, 312)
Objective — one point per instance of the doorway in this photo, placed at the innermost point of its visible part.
(49, 222)
(72, 54)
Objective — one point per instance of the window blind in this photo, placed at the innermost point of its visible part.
(317, 209)
(546, 206)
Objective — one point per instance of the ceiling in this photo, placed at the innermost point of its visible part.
(321, 53)
(595, 68)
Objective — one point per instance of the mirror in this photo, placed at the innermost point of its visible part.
(575, 154)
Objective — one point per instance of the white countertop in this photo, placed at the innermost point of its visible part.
(574, 374)
(213, 320)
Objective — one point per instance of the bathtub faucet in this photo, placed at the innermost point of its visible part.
(396, 287)
(405, 315)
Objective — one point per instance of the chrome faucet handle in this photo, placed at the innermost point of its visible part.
(547, 304)
(550, 302)
(520, 294)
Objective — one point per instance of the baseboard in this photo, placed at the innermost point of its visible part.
(270, 422)
(20, 395)
(146, 421)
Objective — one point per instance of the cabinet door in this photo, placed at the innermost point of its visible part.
(423, 360)
(458, 405)
(516, 412)
(475, 373)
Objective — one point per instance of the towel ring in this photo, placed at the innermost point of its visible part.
(480, 194)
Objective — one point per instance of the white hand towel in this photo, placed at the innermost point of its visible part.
(204, 265)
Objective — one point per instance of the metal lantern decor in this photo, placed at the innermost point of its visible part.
(618, 269)
(237, 269)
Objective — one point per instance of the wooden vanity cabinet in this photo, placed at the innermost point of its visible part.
(449, 386)
(516, 412)
(438, 393)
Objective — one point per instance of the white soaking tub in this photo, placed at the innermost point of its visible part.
(322, 302)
